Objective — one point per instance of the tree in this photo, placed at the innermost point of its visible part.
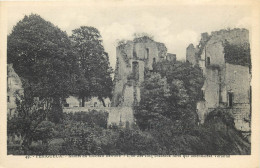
(42, 56)
(94, 69)
(191, 77)
(153, 104)
(170, 93)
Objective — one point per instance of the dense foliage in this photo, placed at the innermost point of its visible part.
(42, 56)
(31, 124)
(53, 66)
(170, 94)
(74, 137)
(94, 69)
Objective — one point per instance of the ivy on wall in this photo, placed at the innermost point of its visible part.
(238, 54)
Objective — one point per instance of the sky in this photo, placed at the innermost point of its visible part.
(174, 25)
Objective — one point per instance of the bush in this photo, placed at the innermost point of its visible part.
(80, 139)
(44, 132)
(216, 136)
(136, 142)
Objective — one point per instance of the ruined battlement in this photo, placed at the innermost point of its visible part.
(213, 47)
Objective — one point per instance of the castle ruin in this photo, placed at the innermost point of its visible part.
(133, 59)
(227, 76)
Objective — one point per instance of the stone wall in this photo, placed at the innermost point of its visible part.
(191, 55)
(224, 82)
(128, 96)
(241, 115)
(74, 101)
(214, 50)
(238, 82)
(171, 57)
(233, 36)
(216, 40)
(133, 59)
(210, 91)
(116, 115)
(120, 115)
(144, 53)
(211, 88)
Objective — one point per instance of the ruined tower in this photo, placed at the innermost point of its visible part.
(133, 58)
(224, 58)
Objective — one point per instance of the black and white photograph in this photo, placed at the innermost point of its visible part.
(141, 79)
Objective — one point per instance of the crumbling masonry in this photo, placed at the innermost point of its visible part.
(227, 81)
(133, 58)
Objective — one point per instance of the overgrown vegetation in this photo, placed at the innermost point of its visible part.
(75, 137)
(52, 66)
(170, 93)
(238, 54)
(31, 124)
(166, 124)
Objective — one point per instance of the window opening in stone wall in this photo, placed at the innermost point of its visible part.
(95, 104)
(219, 93)
(147, 53)
(135, 71)
(230, 99)
(202, 94)
(134, 54)
(8, 99)
(154, 63)
(208, 61)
